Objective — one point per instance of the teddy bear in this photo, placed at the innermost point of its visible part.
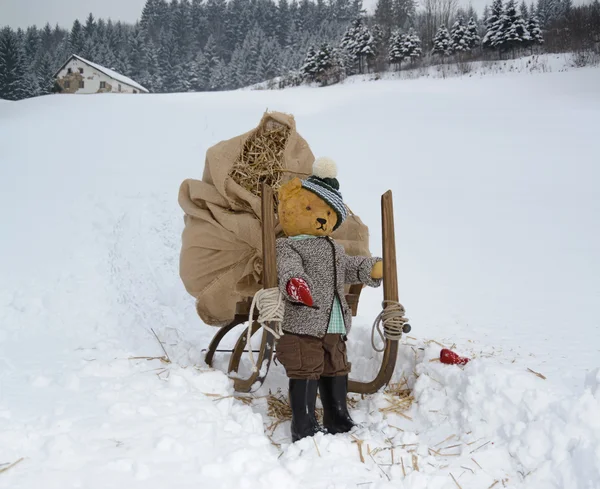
(312, 272)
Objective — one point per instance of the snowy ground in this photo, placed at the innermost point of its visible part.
(496, 206)
(533, 65)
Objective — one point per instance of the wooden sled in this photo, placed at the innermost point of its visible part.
(267, 345)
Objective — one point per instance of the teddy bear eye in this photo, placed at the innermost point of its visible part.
(328, 213)
(307, 207)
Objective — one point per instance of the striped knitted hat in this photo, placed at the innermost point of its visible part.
(323, 182)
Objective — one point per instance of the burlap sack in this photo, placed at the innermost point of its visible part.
(221, 253)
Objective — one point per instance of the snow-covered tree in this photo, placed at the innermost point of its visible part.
(45, 74)
(403, 12)
(90, 27)
(268, 61)
(442, 44)
(472, 35)
(77, 38)
(384, 11)
(359, 44)
(535, 33)
(513, 33)
(523, 10)
(218, 76)
(309, 67)
(547, 12)
(395, 51)
(493, 24)
(411, 46)
(328, 66)
(459, 36)
(13, 69)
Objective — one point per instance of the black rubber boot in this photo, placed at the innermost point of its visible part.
(334, 392)
(303, 397)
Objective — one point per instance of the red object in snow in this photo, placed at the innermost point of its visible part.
(298, 290)
(450, 358)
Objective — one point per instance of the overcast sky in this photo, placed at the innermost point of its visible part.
(23, 13)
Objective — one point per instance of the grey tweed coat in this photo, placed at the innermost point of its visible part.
(325, 267)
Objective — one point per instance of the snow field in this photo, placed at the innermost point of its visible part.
(495, 196)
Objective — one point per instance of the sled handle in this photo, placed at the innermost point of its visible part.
(269, 279)
(390, 293)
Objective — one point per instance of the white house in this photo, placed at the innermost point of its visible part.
(79, 75)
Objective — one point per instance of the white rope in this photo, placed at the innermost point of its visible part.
(270, 305)
(392, 317)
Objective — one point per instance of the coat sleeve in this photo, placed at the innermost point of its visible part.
(357, 270)
(289, 265)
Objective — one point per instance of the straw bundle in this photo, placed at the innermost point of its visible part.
(261, 159)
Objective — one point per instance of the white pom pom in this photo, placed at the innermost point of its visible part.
(324, 168)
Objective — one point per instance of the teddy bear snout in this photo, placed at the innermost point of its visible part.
(321, 220)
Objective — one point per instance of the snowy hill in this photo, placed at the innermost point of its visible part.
(534, 64)
(496, 203)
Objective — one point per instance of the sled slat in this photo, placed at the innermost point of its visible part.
(390, 293)
(269, 277)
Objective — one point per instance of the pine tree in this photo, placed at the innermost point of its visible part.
(200, 31)
(359, 43)
(268, 61)
(167, 61)
(309, 67)
(47, 38)
(45, 74)
(548, 12)
(403, 12)
(395, 51)
(153, 79)
(472, 35)
(411, 46)
(535, 33)
(238, 69)
(442, 44)
(181, 81)
(523, 10)
(89, 49)
(33, 44)
(137, 54)
(12, 67)
(218, 76)
(325, 64)
(237, 23)
(472, 13)
(384, 13)
(150, 20)
(90, 27)
(76, 39)
(210, 51)
(493, 22)
(459, 36)
(181, 29)
(513, 33)
(284, 23)
(200, 74)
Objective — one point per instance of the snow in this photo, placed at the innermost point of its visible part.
(534, 64)
(495, 194)
(113, 74)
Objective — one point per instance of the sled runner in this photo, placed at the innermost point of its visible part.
(269, 280)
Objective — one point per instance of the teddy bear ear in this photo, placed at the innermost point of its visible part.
(290, 187)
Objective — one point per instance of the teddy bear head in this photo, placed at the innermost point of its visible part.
(313, 206)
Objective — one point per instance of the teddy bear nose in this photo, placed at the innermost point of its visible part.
(321, 220)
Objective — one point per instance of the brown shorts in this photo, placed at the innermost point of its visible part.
(308, 357)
